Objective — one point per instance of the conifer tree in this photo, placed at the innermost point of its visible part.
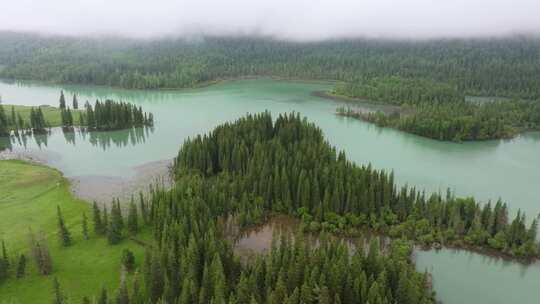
(115, 225)
(63, 233)
(62, 100)
(103, 299)
(98, 224)
(40, 252)
(156, 279)
(85, 226)
(132, 220)
(128, 260)
(75, 102)
(3, 270)
(58, 296)
(21, 266)
(5, 257)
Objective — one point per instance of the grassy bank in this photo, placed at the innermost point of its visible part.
(29, 195)
(51, 114)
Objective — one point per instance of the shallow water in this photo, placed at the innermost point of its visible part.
(509, 169)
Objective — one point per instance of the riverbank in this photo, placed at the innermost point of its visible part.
(103, 188)
(52, 115)
(199, 85)
(362, 103)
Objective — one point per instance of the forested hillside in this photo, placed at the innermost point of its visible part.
(490, 67)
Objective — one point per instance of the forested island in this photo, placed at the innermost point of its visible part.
(439, 110)
(103, 116)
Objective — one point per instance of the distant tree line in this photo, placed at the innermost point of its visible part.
(487, 67)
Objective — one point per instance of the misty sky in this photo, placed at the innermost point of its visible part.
(290, 19)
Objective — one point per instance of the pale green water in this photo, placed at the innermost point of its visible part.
(488, 170)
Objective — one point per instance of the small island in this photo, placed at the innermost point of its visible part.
(105, 115)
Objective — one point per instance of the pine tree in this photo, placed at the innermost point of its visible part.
(144, 209)
(63, 233)
(324, 296)
(98, 224)
(62, 100)
(5, 257)
(114, 227)
(128, 260)
(40, 252)
(58, 297)
(13, 121)
(21, 266)
(85, 226)
(156, 282)
(103, 299)
(75, 102)
(132, 220)
(3, 270)
(3, 121)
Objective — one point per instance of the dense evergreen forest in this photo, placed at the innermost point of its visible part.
(439, 110)
(289, 167)
(507, 67)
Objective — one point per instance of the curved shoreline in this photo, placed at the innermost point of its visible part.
(386, 108)
(103, 188)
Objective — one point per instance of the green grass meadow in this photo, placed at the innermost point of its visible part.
(29, 196)
(51, 114)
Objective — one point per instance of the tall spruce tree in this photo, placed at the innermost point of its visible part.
(62, 100)
(58, 296)
(85, 226)
(21, 266)
(63, 233)
(99, 227)
(75, 102)
(132, 220)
